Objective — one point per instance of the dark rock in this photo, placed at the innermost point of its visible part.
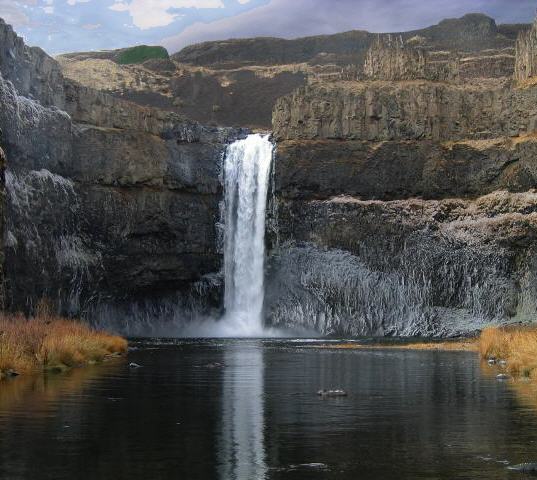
(109, 205)
(332, 393)
(215, 365)
(134, 365)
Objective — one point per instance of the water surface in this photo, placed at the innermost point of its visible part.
(409, 415)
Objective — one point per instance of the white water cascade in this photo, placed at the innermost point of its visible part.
(246, 179)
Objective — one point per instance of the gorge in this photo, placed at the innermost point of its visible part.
(400, 202)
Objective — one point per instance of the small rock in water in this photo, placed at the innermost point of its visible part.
(332, 393)
(134, 365)
(214, 365)
(309, 466)
(503, 376)
(524, 468)
(502, 363)
(491, 361)
(12, 373)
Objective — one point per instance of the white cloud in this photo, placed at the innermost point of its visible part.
(48, 10)
(243, 2)
(74, 2)
(12, 13)
(156, 13)
(91, 26)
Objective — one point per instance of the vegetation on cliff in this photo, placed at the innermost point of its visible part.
(47, 342)
(140, 54)
(514, 345)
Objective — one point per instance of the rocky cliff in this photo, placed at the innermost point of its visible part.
(403, 199)
(404, 204)
(526, 55)
(237, 82)
(110, 206)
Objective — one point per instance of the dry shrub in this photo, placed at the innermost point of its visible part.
(47, 341)
(516, 345)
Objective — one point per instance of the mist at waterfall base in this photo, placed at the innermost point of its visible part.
(247, 167)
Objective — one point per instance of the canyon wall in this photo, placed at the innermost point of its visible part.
(403, 192)
(405, 204)
(238, 81)
(111, 208)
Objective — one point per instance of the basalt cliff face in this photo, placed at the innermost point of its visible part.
(404, 204)
(403, 194)
(110, 208)
(237, 82)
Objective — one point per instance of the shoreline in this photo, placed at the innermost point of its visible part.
(466, 345)
(46, 343)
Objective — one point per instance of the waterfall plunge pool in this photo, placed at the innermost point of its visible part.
(249, 409)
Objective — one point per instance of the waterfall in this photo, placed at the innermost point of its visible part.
(246, 178)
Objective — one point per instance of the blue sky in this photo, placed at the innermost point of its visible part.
(74, 25)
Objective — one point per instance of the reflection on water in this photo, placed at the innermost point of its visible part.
(242, 451)
(248, 410)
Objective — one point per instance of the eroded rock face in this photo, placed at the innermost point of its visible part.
(378, 111)
(320, 169)
(391, 59)
(405, 205)
(109, 204)
(526, 55)
(407, 267)
(238, 81)
(33, 73)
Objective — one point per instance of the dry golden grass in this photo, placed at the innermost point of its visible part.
(516, 345)
(467, 345)
(50, 342)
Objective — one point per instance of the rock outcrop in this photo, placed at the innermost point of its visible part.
(33, 73)
(404, 185)
(110, 206)
(237, 82)
(417, 110)
(526, 55)
(405, 204)
(391, 59)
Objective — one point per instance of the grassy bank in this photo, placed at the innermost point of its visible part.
(465, 345)
(49, 342)
(516, 345)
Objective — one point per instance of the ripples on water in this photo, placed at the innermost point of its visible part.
(248, 410)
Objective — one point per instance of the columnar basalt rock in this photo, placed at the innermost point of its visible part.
(413, 110)
(526, 55)
(405, 205)
(391, 59)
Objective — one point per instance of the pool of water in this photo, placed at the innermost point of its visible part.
(246, 409)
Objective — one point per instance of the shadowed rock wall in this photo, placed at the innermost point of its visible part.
(108, 203)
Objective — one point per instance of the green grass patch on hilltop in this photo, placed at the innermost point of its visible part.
(140, 54)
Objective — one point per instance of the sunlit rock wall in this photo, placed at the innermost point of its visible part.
(526, 55)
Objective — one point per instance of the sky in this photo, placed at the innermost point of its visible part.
(60, 26)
